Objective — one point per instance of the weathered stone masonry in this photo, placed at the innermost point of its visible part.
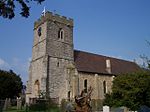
(62, 72)
(51, 56)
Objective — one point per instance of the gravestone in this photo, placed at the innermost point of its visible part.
(7, 104)
(144, 109)
(106, 109)
(19, 103)
(120, 109)
(69, 107)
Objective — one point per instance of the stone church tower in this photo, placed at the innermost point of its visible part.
(62, 72)
(52, 58)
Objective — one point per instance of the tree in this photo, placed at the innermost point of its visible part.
(130, 90)
(7, 7)
(10, 84)
(146, 59)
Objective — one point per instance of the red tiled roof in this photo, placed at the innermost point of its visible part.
(93, 63)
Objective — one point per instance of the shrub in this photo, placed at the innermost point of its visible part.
(96, 104)
(44, 105)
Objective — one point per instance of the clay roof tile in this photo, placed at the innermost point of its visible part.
(94, 63)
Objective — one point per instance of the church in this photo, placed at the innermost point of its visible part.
(61, 72)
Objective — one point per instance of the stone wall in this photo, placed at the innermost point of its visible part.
(96, 82)
(51, 55)
(56, 47)
(58, 78)
(37, 70)
(60, 52)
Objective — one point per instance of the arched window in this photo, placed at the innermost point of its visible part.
(61, 34)
(104, 87)
(37, 87)
(39, 31)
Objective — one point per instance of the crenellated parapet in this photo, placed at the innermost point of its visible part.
(49, 16)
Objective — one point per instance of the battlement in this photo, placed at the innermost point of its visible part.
(49, 16)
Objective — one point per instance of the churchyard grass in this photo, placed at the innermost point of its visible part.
(14, 109)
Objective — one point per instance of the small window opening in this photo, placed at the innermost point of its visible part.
(85, 85)
(57, 64)
(69, 95)
(61, 34)
(39, 31)
(104, 87)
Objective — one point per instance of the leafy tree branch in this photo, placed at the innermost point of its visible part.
(7, 7)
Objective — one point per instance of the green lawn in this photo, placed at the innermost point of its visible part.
(14, 109)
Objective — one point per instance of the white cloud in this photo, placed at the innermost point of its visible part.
(2, 62)
(21, 67)
(141, 62)
(4, 65)
(18, 65)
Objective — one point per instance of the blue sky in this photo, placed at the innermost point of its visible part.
(116, 28)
